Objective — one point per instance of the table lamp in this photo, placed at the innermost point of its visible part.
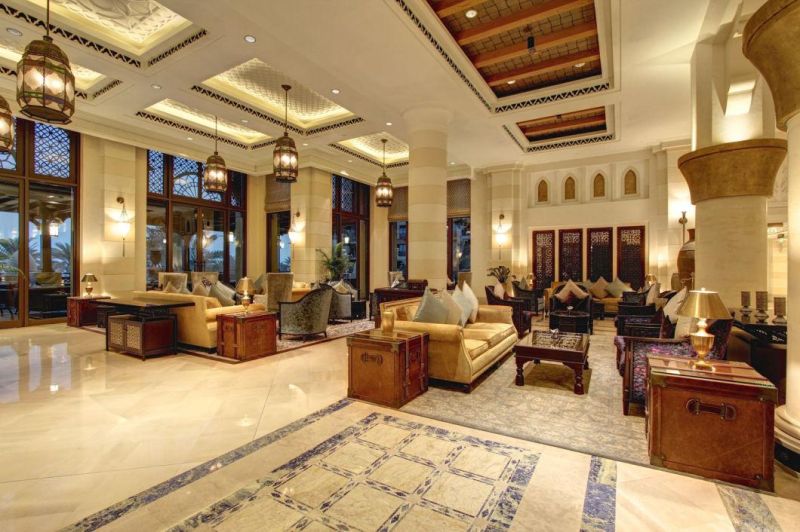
(704, 305)
(244, 286)
(89, 278)
(650, 279)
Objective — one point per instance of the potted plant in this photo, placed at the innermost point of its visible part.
(337, 263)
(502, 274)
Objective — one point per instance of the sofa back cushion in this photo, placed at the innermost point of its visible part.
(473, 300)
(617, 287)
(464, 303)
(431, 309)
(598, 289)
(453, 309)
(672, 306)
(570, 289)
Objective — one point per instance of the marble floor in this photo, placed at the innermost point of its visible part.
(81, 429)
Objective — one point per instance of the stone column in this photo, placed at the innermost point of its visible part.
(729, 184)
(427, 194)
(770, 43)
(311, 197)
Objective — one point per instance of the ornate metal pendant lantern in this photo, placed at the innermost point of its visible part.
(45, 83)
(384, 191)
(284, 158)
(6, 126)
(215, 176)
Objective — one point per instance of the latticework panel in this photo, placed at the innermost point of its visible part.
(630, 184)
(569, 189)
(347, 199)
(599, 186)
(186, 175)
(599, 253)
(544, 258)
(458, 197)
(51, 151)
(630, 255)
(278, 196)
(570, 254)
(155, 172)
(399, 208)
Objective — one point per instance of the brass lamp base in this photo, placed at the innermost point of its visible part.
(246, 304)
(89, 289)
(702, 342)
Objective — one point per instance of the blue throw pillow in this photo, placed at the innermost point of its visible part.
(431, 309)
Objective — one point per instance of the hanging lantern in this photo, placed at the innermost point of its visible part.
(284, 158)
(45, 83)
(384, 191)
(6, 126)
(215, 176)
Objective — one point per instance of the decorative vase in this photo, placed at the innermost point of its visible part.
(761, 306)
(387, 322)
(508, 288)
(780, 311)
(686, 261)
(746, 310)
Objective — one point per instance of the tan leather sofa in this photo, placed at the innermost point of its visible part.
(197, 325)
(460, 354)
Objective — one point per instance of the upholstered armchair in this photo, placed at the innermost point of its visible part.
(277, 288)
(531, 296)
(520, 314)
(633, 365)
(308, 315)
(342, 303)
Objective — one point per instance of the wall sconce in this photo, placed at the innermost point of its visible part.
(123, 223)
(294, 230)
(501, 235)
(683, 220)
(231, 237)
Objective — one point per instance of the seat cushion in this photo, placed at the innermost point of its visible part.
(475, 348)
(491, 333)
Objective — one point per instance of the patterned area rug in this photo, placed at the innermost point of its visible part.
(545, 409)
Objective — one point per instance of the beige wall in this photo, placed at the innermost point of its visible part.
(379, 244)
(256, 226)
(311, 197)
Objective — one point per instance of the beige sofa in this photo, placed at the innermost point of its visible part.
(460, 354)
(197, 325)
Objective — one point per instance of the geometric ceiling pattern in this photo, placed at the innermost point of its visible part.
(524, 45)
(371, 146)
(258, 84)
(564, 125)
(179, 112)
(134, 25)
(11, 51)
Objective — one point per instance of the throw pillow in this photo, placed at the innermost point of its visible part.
(465, 303)
(431, 309)
(672, 306)
(652, 294)
(223, 294)
(616, 287)
(170, 288)
(453, 308)
(473, 299)
(685, 326)
(499, 291)
(201, 289)
(598, 289)
(258, 285)
(342, 287)
(570, 288)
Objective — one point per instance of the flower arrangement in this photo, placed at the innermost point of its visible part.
(501, 273)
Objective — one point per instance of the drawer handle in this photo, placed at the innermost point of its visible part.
(367, 357)
(724, 411)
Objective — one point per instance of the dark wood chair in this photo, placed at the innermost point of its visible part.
(520, 314)
(532, 296)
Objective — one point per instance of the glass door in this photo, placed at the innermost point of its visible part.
(11, 266)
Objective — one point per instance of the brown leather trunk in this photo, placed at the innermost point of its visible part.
(715, 423)
(247, 336)
(389, 369)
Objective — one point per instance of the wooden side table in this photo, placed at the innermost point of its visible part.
(715, 422)
(387, 369)
(82, 310)
(247, 336)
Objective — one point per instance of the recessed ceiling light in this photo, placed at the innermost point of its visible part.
(388, 123)
(249, 39)
(471, 13)
(244, 120)
(305, 144)
(14, 31)
(188, 138)
(156, 86)
(580, 65)
(511, 81)
(335, 91)
(349, 160)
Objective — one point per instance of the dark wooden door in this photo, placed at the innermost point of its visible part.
(544, 253)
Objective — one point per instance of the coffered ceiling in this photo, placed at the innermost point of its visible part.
(155, 74)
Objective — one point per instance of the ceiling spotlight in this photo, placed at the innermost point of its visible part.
(244, 120)
(388, 123)
(14, 31)
(511, 81)
(156, 86)
(188, 138)
(335, 91)
(249, 39)
(580, 65)
(471, 13)
(305, 144)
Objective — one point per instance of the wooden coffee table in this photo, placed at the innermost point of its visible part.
(571, 349)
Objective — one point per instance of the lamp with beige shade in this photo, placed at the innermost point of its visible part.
(704, 305)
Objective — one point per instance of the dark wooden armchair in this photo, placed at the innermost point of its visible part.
(520, 313)
(531, 296)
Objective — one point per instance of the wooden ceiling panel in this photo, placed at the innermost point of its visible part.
(564, 35)
(564, 125)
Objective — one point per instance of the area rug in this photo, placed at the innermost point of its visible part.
(545, 409)
(353, 466)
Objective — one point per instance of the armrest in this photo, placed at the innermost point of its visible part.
(494, 314)
(212, 313)
(438, 332)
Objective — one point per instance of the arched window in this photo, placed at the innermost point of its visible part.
(569, 189)
(541, 192)
(631, 183)
(599, 186)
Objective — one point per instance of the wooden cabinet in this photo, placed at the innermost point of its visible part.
(247, 336)
(82, 311)
(387, 369)
(142, 336)
(716, 422)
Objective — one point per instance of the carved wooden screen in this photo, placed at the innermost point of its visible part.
(599, 253)
(630, 255)
(544, 258)
(570, 254)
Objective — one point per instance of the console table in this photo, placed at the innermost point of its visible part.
(82, 310)
(142, 326)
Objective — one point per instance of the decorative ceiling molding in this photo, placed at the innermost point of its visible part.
(364, 158)
(538, 147)
(372, 146)
(550, 98)
(89, 96)
(180, 112)
(177, 47)
(269, 118)
(202, 133)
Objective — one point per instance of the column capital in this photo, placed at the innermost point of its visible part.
(770, 42)
(745, 168)
(427, 117)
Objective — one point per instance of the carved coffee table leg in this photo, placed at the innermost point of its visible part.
(586, 364)
(578, 369)
(520, 380)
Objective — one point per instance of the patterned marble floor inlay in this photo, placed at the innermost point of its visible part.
(385, 473)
